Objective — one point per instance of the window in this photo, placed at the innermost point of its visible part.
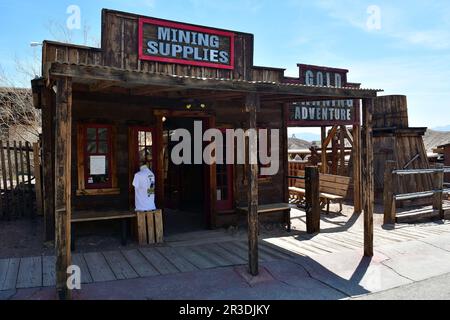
(145, 148)
(98, 157)
(95, 157)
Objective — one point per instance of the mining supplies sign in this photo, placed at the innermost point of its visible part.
(172, 42)
(324, 113)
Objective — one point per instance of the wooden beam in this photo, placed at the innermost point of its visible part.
(251, 106)
(357, 194)
(368, 174)
(159, 126)
(141, 78)
(312, 196)
(342, 150)
(330, 136)
(388, 192)
(101, 85)
(63, 149)
(48, 172)
(324, 150)
(212, 172)
(438, 183)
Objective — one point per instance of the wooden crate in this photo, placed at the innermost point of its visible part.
(150, 227)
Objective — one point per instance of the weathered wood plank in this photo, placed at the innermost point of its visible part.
(158, 261)
(78, 260)
(4, 264)
(229, 255)
(63, 183)
(13, 207)
(10, 278)
(178, 261)
(195, 258)
(48, 271)
(98, 267)
(139, 263)
(119, 265)
(30, 273)
(210, 254)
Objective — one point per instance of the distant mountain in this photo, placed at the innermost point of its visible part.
(306, 136)
(445, 128)
(296, 144)
(434, 138)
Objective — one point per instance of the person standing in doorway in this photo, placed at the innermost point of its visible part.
(144, 187)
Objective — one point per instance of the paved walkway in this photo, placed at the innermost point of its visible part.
(209, 250)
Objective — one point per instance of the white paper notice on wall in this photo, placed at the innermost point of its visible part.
(97, 165)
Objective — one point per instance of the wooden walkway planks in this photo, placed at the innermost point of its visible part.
(30, 273)
(98, 267)
(180, 263)
(78, 259)
(158, 261)
(169, 259)
(48, 271)
(119, 265)
(139, 263)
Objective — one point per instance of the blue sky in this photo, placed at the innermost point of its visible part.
(409, 54)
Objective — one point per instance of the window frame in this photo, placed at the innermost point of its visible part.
(84, 188)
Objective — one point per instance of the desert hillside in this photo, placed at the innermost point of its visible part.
(433, 138)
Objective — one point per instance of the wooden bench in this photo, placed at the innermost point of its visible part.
(269, 208)
(331, 187)
(89, 216)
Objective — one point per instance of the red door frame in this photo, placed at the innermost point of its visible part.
(134, 155)
(209, 121)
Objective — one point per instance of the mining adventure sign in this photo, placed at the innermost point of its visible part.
(323, 113)
(172, 42)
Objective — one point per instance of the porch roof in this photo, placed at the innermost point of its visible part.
(102, 76)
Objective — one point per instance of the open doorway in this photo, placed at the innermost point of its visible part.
(184, 184)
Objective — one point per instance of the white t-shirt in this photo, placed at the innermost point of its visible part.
(144, 187)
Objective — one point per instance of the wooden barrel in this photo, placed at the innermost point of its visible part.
(391, 111)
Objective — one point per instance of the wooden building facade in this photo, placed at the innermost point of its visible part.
(106, 109)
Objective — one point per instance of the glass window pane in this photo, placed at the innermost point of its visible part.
(91, 134)
(102, 147)
(141, 137)
(92, 147)
(148, 139)
(103, 134)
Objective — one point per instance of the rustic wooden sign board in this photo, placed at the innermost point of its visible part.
(172, 42)
(323, 113)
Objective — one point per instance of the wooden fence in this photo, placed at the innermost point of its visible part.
(20, 183)
(391, 195)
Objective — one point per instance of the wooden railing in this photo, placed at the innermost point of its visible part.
(390, 196)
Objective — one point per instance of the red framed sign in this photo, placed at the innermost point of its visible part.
(323, 113)
(173, 42)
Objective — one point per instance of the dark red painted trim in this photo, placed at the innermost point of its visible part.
(109, 156)
(142, 56)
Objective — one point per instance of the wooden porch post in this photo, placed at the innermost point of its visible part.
(368, 174)
(252, 106)
(48, 172)
(63, 147)
(159, 161)
(357, 203)
(323, 131)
